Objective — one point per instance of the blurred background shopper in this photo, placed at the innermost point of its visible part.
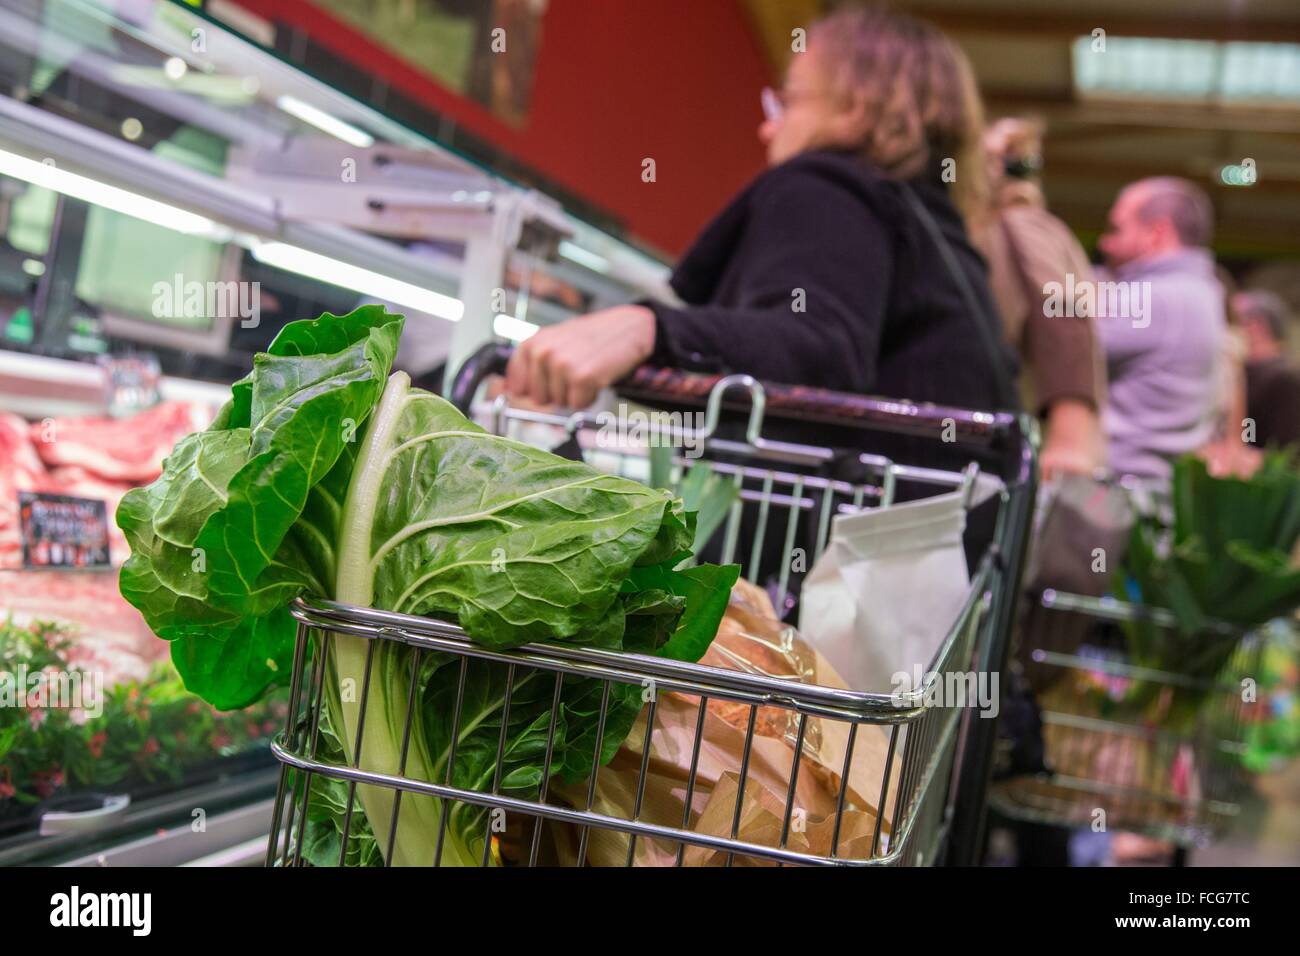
(823, 271)
(1272, 376)
(1231, 449)
(1029, 251)
(1165, 341)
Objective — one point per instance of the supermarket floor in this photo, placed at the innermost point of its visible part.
(1268, 830)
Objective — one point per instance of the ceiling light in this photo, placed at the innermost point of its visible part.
(336, 272)
(1190, 70)
(49, 176)
(1237, 174)
(325, 122)
(575, 253)
(175, 68)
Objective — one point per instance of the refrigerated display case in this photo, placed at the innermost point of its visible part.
(171, 194)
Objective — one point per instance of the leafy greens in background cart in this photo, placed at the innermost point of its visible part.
(1227, 566)
(327, 476)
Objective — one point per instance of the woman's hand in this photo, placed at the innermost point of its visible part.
(568, 364)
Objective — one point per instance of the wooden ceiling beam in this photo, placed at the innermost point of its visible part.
(1015, 21)
(1144, 114)
(1273, 181)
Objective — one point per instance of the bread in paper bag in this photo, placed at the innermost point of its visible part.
(751, 639)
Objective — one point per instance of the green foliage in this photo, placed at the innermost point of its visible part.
(326, 476)
(1227, 561)
(709, 496)
(149, 731)
(217, 544)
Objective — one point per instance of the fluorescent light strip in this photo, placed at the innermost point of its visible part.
(516, 330)
(346, 276)
(89, 190)
(277, 254)
(1191, 69)
(325, 122)
(575, 253)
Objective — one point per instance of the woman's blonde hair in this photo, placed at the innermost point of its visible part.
(918, 93)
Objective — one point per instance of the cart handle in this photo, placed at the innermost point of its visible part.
(799, 402)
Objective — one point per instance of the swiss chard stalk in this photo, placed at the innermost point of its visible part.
(325, 475)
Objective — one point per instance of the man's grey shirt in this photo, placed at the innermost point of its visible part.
(1165, 366)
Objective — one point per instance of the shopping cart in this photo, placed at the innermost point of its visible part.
(920, 755)
(1130, 747)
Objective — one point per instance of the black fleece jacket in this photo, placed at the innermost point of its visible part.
(818, 274)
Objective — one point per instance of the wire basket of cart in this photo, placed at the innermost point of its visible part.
(1129, 746)
(1148, 698)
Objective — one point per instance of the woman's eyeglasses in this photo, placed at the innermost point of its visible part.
(773, 107)
(776, 102)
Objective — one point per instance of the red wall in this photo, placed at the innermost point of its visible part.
(617, 81)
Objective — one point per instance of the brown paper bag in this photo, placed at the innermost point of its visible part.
(751, 639)
(761, 821)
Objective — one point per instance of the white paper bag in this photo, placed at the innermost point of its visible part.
(888, 588)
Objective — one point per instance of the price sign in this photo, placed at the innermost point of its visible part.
(60, 531)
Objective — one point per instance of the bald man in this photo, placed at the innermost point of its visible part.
(1162, 325)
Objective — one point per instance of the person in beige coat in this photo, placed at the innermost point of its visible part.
(1031, 255)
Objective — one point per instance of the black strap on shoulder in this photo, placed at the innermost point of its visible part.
(986, 325)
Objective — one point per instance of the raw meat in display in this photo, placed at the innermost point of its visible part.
(21, 469)
(130, 450)
(112, 637)
(98, 458)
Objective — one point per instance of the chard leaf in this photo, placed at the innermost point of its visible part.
(710, 496)
(532, 693)
(327, 809)
(704, 589)
(304, 410)
(651, 619)
(245, 514)
(234, 668)
(517, 544)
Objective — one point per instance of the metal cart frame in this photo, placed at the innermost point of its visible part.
(935, 752)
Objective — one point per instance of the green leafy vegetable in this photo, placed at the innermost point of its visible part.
(706, 494)
(328, 476)
(1227, 560)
